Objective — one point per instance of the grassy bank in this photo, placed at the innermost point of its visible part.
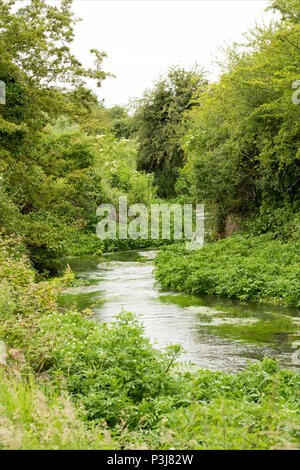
(257, 268)
(70, 383)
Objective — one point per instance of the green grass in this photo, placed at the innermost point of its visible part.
(257, 408)
(32, 420)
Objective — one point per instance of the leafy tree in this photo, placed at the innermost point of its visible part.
(158, 121)
(37, 197)
(289, 9)
(242, 144)
(37, 39)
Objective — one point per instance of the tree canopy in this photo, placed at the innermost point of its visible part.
(158, 123)
(242, 142)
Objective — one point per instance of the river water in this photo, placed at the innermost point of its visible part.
(125, 281)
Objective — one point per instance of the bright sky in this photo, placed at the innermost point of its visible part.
(143, 38)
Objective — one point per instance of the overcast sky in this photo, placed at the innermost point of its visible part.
(143, 38)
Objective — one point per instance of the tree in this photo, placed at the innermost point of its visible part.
(158, 119)
(35, 57)
(122, 122)
(37, 39)
(289, 9)
(242, 144)
(48, 189)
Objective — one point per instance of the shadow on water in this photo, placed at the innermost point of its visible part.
(216, 333)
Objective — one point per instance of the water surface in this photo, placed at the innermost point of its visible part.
(125, 281)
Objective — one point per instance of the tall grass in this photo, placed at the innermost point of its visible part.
(30, 419)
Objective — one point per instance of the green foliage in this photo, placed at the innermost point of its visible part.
(283, 222)
(32, 420)
(110, 369)
(55, 169)
(289, 9)
(47, 186)
(72, 173)
(65, 149)
(116, 162)
(122, 123)
(158, 122)
(242, 141)
(74, 383)
(256, 268)
(37, 39)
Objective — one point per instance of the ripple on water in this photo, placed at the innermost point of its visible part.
(122, 282)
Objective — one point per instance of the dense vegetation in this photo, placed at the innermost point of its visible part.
(69, 382)
(242, 143)
(62, 153)
(74, 383)
(242, 159)
(158, 125)
(245, 268)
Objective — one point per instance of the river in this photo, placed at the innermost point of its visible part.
(125, 281)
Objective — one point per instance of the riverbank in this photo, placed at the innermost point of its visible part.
(87, 243)
(257, 268)
(73, 383)
(216, 333)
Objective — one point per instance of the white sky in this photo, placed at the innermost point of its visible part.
(143, 38)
